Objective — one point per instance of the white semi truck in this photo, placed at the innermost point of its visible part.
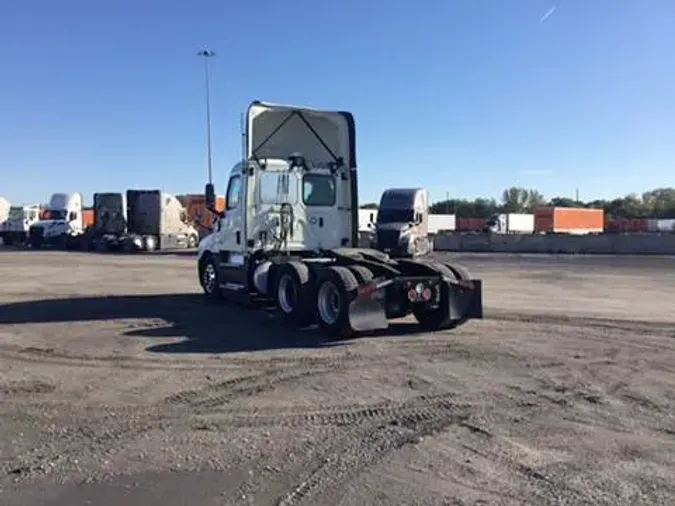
(15, 228)
(63, 222)
(289, 232)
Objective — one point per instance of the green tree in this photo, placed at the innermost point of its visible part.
(521, 200)
(369, 205)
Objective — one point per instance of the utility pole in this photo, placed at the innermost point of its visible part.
(207, 54)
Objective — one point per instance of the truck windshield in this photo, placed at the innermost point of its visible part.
(15, 213)
(318, 190)
(57, 214)
(395, 215)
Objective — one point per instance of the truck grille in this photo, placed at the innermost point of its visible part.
(387, 238)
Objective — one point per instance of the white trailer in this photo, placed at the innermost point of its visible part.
(661, 226)
(439, 223)
(511, 223)
(367, 219)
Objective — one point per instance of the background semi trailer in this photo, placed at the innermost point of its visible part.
(441, 224)
(19, 220)
(157, 220)
(511, 223)
(63, 224)
(289, 233)
(569, 220)
(110, 222)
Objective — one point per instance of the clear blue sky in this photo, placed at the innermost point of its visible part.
(466, 97)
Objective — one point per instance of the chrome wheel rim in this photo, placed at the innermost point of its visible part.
(328, 302)
(286, 294)
(209, 278)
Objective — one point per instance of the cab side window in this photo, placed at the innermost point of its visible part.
(233, 192)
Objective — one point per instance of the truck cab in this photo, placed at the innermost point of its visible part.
(62, 221)
(402, 226)
(19, 220)
(288, 199)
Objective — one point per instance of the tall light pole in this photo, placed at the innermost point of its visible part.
(207, 54)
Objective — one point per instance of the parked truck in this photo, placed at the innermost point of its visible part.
(402, 226)
(110, 223)
(569, 220)
(510, 223)
(15, 228)
(156, 220)
(63, 224)
(289, 233)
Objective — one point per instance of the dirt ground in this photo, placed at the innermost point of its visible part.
(120, 385)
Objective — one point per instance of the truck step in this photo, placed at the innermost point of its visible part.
(233, 287)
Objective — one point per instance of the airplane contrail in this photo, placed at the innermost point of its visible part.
(548, 13)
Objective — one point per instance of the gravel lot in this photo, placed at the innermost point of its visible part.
(120, 385)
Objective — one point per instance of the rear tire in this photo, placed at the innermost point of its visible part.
(335, 285)
(293, 294)
(361, 273)
(209, 278)
(437, 318)
(192, 241)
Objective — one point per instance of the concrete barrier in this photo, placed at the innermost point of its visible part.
(647, 244)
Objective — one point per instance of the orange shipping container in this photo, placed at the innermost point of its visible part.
(569, 220)
(87, 217)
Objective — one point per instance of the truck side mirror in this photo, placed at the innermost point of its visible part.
(210, 196)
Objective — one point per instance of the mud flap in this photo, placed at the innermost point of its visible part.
(465, 300)
(367, 312)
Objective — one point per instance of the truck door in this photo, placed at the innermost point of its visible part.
(231, 237)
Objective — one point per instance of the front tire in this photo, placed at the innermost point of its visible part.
(192, 241)
(209, 278)
(335, 286)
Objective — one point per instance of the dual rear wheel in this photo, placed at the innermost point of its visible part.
(323, 296)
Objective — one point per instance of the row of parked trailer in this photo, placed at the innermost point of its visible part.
(544, 220)
(131, 221)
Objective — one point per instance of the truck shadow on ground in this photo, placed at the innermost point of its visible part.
(201, 326)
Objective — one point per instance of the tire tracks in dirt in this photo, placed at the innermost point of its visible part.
(345, 415)
(51, 356)
(360, 436)
(363, 447)
(665, 329)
